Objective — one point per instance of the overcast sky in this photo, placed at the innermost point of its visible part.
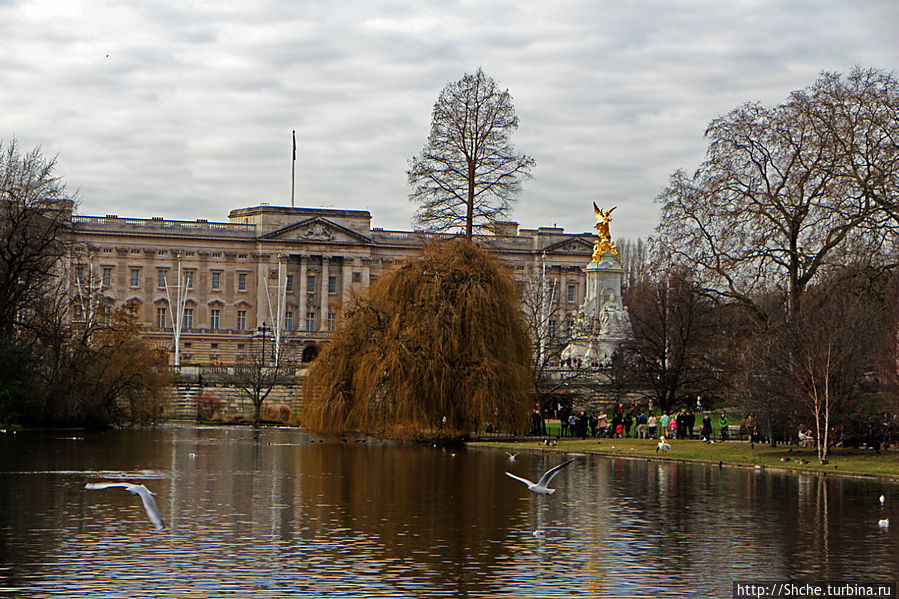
(184, 109)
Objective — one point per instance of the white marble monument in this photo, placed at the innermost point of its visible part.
(602, 322)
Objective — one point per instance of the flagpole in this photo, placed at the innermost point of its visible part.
(293, 168)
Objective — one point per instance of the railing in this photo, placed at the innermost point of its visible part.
(158, 223)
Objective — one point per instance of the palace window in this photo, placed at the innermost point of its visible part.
(216, 281)
(241, 320)
(332, 284)
(289, 285)
(288, 320)
(310, 321)
(310, 283)
(135, 277)
(572, 289)
(332, 320)
(160, 318)
(215, 316)
(241, 281)
(188, 318)
(107, 276)
(189, 279)
(160, 278)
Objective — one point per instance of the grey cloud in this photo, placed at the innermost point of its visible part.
(191, 114)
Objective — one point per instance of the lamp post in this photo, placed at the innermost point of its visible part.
(262, 330)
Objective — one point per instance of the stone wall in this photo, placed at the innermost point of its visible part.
(217, 401)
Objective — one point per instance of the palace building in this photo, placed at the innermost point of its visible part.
(203, 290)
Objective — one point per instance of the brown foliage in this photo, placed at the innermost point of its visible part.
(278, 413)
(209, 404)
(106, 374)
(440, 337)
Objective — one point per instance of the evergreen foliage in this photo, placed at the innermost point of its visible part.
(441, 337)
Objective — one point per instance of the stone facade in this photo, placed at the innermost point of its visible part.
(234, 275)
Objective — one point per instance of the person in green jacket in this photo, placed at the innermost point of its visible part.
(663, 424)
(722, 422)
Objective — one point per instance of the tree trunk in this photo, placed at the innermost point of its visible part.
(469, 212)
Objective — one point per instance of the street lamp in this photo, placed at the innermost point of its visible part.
(262, 330)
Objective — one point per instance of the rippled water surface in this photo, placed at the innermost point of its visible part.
(276, 513)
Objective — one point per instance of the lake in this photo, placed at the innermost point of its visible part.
(279, 513)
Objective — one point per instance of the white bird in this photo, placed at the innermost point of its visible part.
(540, 487)
(145, 495)
(882, 499)
(663, 446)
(883, 523)
(512, 456)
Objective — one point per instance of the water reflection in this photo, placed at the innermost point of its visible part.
(275, 513)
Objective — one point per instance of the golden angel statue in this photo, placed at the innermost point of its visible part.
(604, 243)
(602, 221)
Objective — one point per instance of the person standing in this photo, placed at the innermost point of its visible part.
(641, 426)
(572, 424)
(617, 421)
(681, 425)
(651, 424)
(628, 421)
(722, 423)
(663, 423)
(706, 428)
(691, 422)
(602, 423)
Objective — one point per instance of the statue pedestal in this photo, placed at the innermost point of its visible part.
(602, 322)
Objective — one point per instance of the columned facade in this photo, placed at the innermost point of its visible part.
(314, 260)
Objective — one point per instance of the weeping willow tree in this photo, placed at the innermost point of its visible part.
(437, 349)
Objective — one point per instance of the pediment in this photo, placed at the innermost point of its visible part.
(575, 245)
(318, 230)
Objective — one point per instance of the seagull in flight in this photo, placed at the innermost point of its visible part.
(512, 456)
(540, 487)
(145, 495)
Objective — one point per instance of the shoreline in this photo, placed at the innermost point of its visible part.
(644, 449)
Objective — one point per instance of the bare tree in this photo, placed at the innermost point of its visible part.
(34, 225)
(673, 327)
(857, 118)
(541, 307)
(258, 371)
(635, 258)
(822, 354)
(468, 174)
(787, 194)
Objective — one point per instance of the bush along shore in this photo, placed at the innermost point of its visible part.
(857, 462)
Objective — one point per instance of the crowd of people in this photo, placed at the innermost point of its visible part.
(631, 422)
(638, 422)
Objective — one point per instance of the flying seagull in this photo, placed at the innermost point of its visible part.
(512, 456)
(145, 495)
(540, 487)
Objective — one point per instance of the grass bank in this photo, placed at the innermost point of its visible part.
(858, 462)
